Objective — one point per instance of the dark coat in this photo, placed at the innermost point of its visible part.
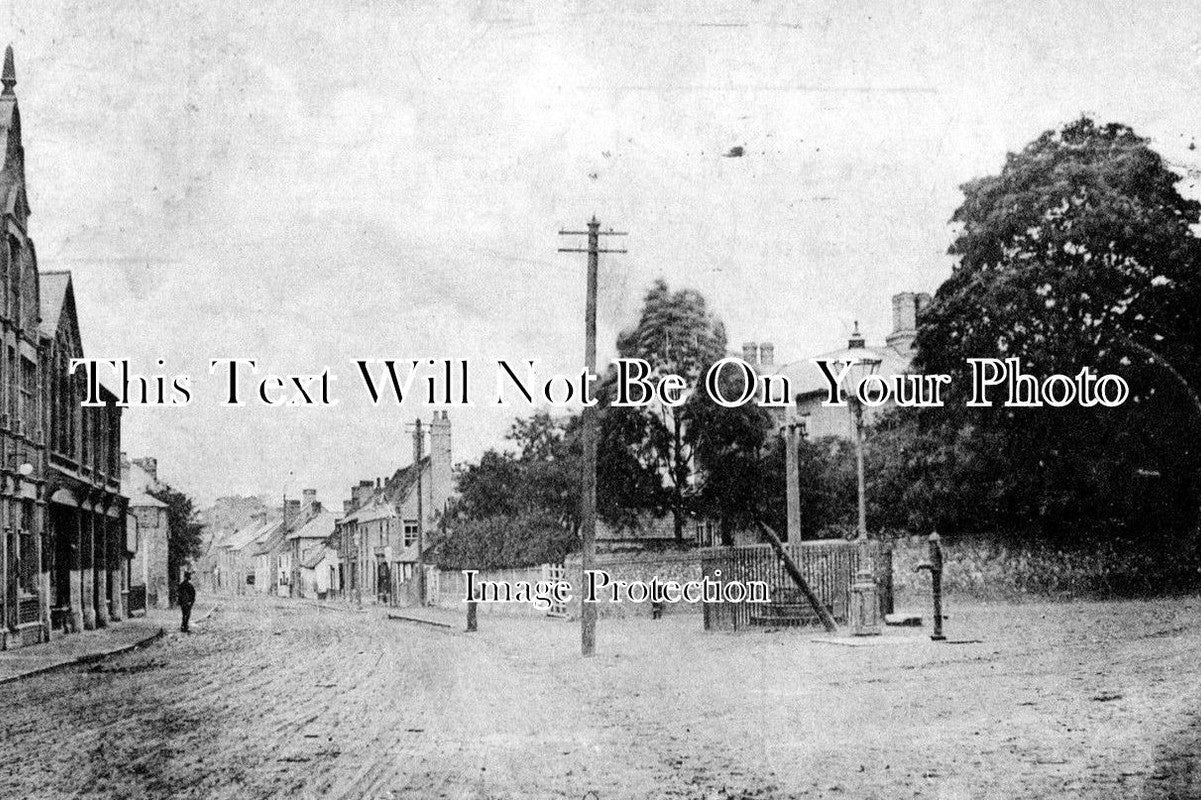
(187, 594)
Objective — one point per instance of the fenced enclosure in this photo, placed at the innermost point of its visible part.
(828, 566)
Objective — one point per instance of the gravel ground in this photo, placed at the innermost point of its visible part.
(272, 698)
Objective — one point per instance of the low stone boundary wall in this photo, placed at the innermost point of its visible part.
(629, 567)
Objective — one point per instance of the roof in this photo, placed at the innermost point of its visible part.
(376, 508)
(805, 377)
(648, 527)
(249, 534)
(53, 290)
(136, 485)
(397, 487)
(316, 557)
(271, 542)
(319, 526)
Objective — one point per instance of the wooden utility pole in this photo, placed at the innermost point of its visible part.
(588, 479)
(792, 433)
(418, 450)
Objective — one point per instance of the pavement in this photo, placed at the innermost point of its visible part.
(94, 645)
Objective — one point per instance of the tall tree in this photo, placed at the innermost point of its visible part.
(1080, 253)
(676, 334)
(735, 458)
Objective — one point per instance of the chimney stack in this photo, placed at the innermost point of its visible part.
(441, 482)
(750, 353)
(905, 308)
(310, 499)
(291, 512)
(767, 354)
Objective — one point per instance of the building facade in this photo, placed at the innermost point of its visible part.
(148, 515)
(65, 546)
(376, 539)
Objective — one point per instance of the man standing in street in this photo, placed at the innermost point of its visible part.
(187, 598)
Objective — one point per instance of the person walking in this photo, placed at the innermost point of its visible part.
(187, 598)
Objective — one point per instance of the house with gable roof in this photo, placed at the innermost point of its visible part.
(376, 539)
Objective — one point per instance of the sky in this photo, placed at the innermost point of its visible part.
(309, 184)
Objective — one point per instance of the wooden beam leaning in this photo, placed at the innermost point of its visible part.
(794, 572)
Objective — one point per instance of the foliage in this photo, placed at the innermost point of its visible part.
(738, 484)
(1079, 254)
(184, 533)
(497, 542)
(676, 334)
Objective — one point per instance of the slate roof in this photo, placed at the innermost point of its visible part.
(272, 541)
(382, 502)
(249, 534)
(315, 558)
(806, 377)
(319, 526)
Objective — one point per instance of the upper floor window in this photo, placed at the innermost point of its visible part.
(12, 277)
(29, 397)
(410, 532)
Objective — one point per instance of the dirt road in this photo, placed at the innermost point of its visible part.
(272, 698)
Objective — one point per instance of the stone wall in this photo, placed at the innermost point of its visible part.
(150, 563)
(630, 567)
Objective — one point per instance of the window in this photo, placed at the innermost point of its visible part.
(14, 380)
(12, 277)
(410, 532)
(29, 397)
(28, 571)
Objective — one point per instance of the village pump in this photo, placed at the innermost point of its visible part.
(934, 565)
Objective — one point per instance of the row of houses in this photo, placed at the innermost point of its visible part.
(368, 551)
(71, 555)
(282, 552)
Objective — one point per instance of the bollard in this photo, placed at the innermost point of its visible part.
(471, 625)
(935, 567)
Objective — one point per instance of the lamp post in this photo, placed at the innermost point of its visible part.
(865, 604)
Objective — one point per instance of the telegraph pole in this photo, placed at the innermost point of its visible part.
(588, 479)
(418, 448)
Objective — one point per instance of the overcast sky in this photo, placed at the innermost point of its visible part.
(309, 183)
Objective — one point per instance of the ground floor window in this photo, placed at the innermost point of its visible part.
(29, 568)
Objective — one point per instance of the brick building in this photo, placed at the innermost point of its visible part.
(65, 549)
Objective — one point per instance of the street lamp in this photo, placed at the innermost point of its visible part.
(865, 607)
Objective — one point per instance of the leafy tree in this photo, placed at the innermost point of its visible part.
(735, 458)
(499, 542)
(1080, 253)
(184, 533)
(676, 334)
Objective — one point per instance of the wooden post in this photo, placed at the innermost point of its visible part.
(794, 572)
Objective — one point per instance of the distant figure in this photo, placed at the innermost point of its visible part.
(187, 598)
